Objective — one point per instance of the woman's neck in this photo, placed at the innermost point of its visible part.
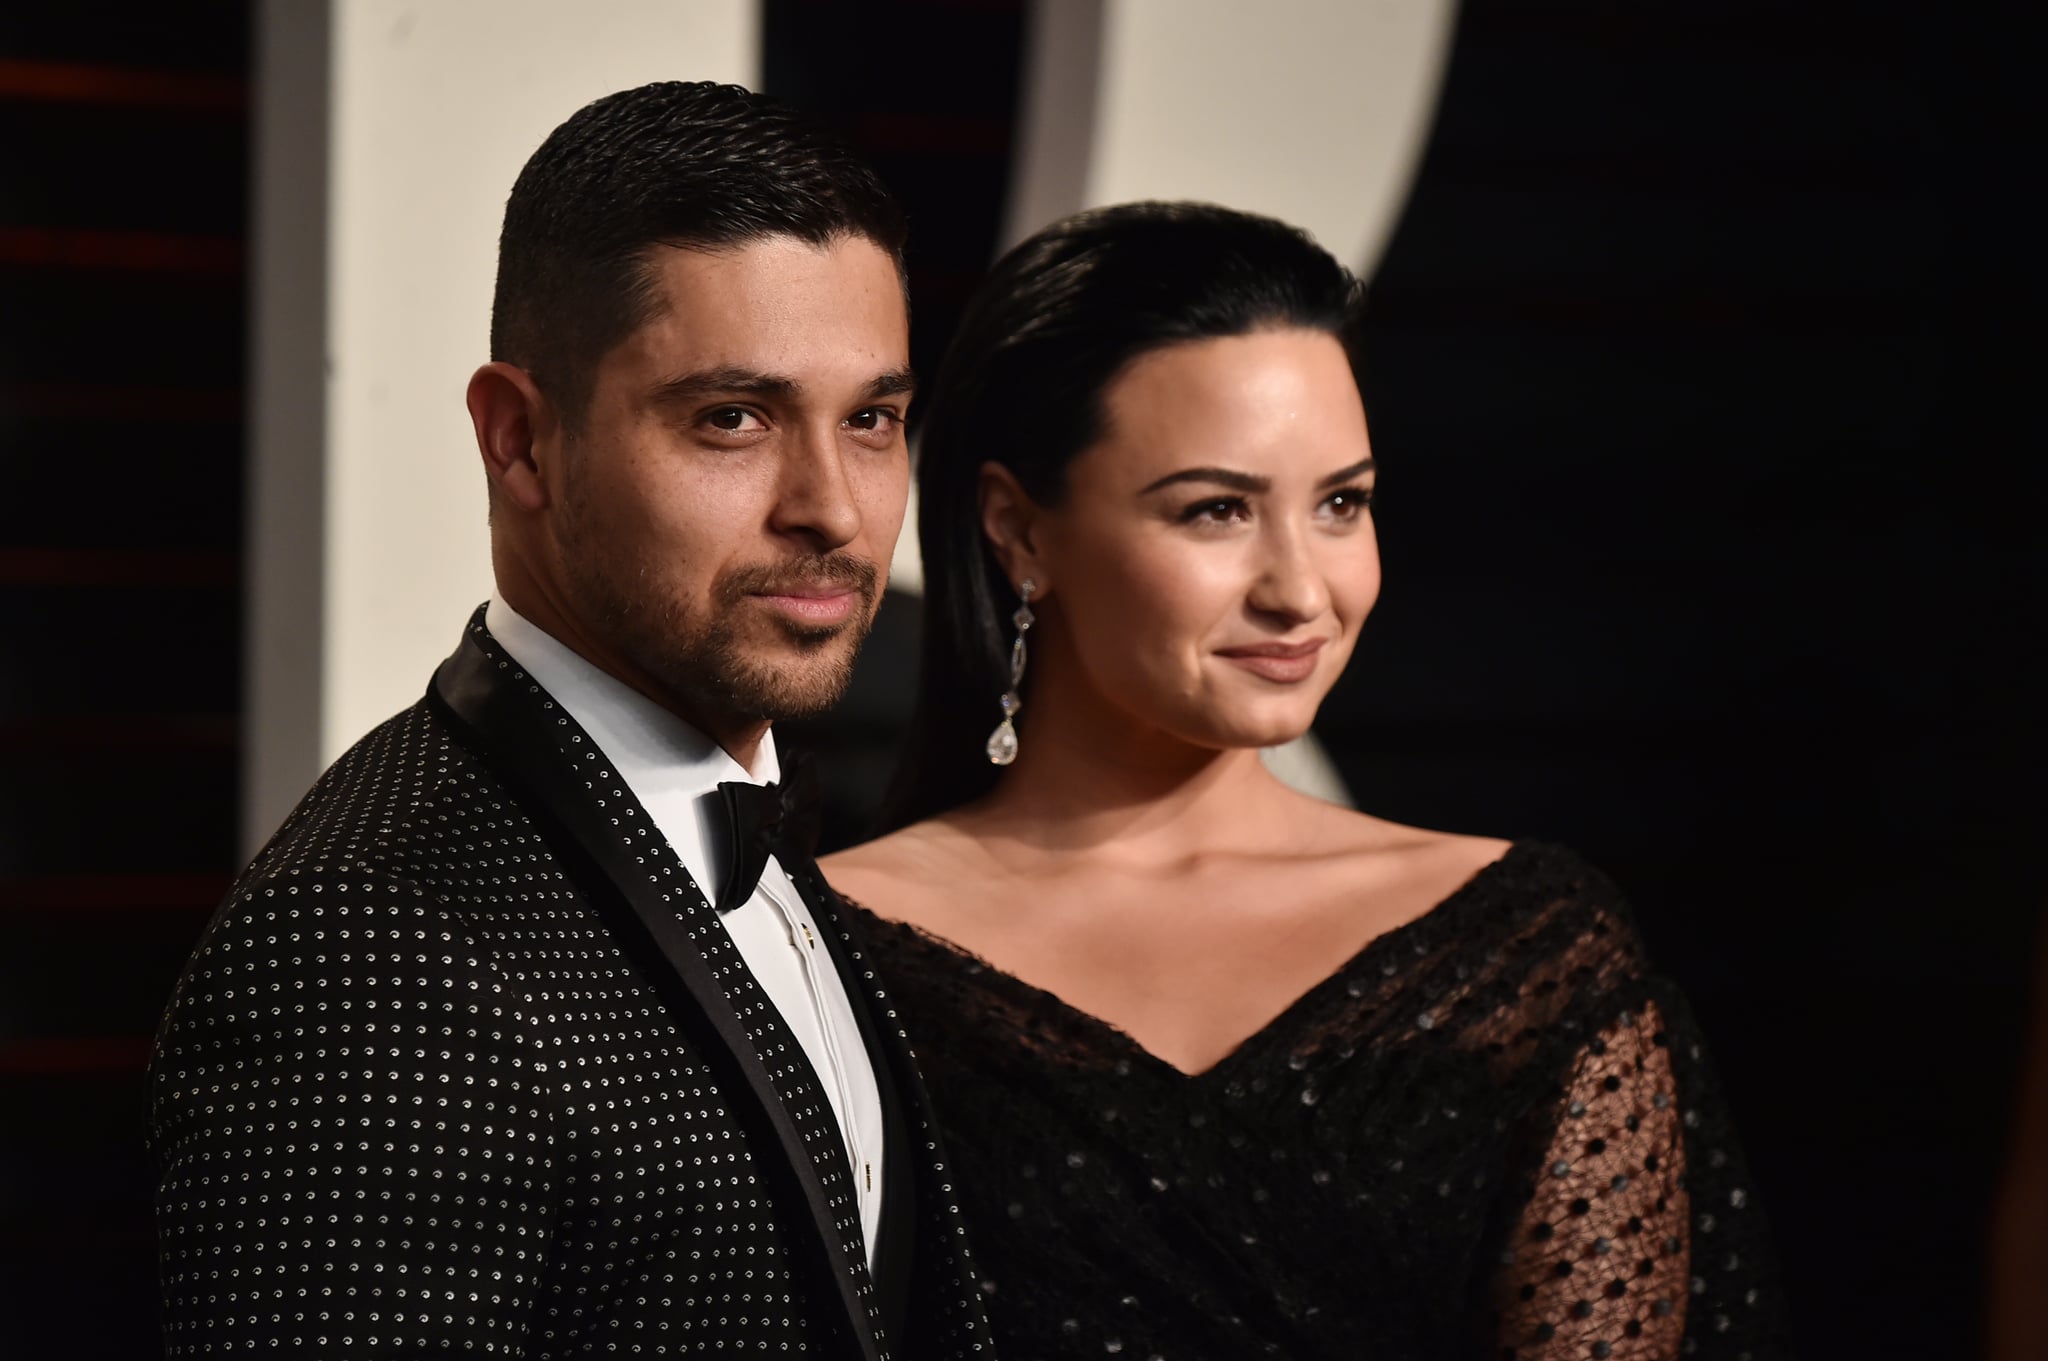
(1091, 780)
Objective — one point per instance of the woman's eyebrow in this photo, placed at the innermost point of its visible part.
(1222, 477)
(1251, 483)
(1358, 469)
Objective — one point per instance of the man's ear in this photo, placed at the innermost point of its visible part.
(1009, 518)
(516, 432)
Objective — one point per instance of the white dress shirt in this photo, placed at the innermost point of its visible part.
(675, 771)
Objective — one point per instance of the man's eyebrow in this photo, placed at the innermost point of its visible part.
(1222, 477)
(727, 380)
(734, 381)
(894, 383)
(1358, 469)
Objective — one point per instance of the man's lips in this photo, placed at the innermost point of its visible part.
(1287, 663)
(817, 604)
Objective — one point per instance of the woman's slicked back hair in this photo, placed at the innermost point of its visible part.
(1023, 384)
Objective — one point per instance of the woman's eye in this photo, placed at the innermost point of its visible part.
(733, 420)
(1348, 504)
(1222, 510)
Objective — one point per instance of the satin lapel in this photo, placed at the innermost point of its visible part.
(515, 727)
(896, 1080)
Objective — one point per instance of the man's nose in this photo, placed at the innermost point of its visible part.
(814, 495)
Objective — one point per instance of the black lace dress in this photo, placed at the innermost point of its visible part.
(1492, 1133)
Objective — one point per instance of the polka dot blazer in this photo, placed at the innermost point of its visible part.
(466, 1065)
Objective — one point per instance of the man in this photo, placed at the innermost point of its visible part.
(532, 1032)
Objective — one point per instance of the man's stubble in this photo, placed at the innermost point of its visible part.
(701, 662)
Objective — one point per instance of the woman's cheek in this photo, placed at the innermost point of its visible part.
(1176, 594)
(1134, 605)
(1354, 579)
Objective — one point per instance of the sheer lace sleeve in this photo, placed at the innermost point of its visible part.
(1599, 1259)
(1637, 1238)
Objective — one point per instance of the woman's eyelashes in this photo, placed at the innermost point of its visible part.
(1216, 510)
(1344, 506)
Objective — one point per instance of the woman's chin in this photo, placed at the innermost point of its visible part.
(1226, 721)
(1245, 731)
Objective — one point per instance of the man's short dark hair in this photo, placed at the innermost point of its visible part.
(671, 164)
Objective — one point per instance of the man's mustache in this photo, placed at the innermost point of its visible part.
(827, 571)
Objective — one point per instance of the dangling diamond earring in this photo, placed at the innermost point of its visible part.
(1002, 743)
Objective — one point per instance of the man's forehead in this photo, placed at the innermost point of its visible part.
(767, 262)
(778, 307)
(779, 286)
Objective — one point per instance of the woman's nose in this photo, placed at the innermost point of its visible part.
(1289, 584)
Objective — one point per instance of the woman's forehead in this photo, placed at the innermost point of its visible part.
(1278, 403)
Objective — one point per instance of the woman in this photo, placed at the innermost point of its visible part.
(1227, 1071)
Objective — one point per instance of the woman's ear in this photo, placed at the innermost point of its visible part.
(516, 432)
(1008, 518)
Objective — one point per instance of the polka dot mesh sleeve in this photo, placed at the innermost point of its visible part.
(1598, 1263)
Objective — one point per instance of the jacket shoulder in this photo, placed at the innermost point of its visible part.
(406, 802)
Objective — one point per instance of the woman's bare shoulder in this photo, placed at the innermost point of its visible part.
(1349, 832)
(1390, 872)
(1394, 867)
(892, 875)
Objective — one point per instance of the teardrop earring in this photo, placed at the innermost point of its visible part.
(1002, 743)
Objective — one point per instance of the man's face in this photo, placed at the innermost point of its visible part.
(728, 509)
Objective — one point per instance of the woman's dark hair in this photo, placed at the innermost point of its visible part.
(1023, 384)
(670, 164)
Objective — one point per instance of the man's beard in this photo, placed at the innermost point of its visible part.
(700, 663)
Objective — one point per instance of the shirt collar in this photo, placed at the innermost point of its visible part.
(656, 753)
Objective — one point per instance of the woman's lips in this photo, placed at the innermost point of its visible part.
(1285, 663)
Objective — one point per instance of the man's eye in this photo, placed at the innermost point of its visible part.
(876, 418)
(733, 419)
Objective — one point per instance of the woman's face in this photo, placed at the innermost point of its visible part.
(1214, 556)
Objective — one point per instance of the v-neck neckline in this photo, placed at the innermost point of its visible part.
(1260, 1039)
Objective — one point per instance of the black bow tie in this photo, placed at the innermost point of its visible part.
(763, 820)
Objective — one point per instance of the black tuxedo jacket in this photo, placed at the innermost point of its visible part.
(466, 1065)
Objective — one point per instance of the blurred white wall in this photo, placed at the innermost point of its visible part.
(389, 133)
(1312, 111)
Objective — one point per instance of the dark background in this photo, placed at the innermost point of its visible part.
(1700, 376)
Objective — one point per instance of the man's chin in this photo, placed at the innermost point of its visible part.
(796, 680)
